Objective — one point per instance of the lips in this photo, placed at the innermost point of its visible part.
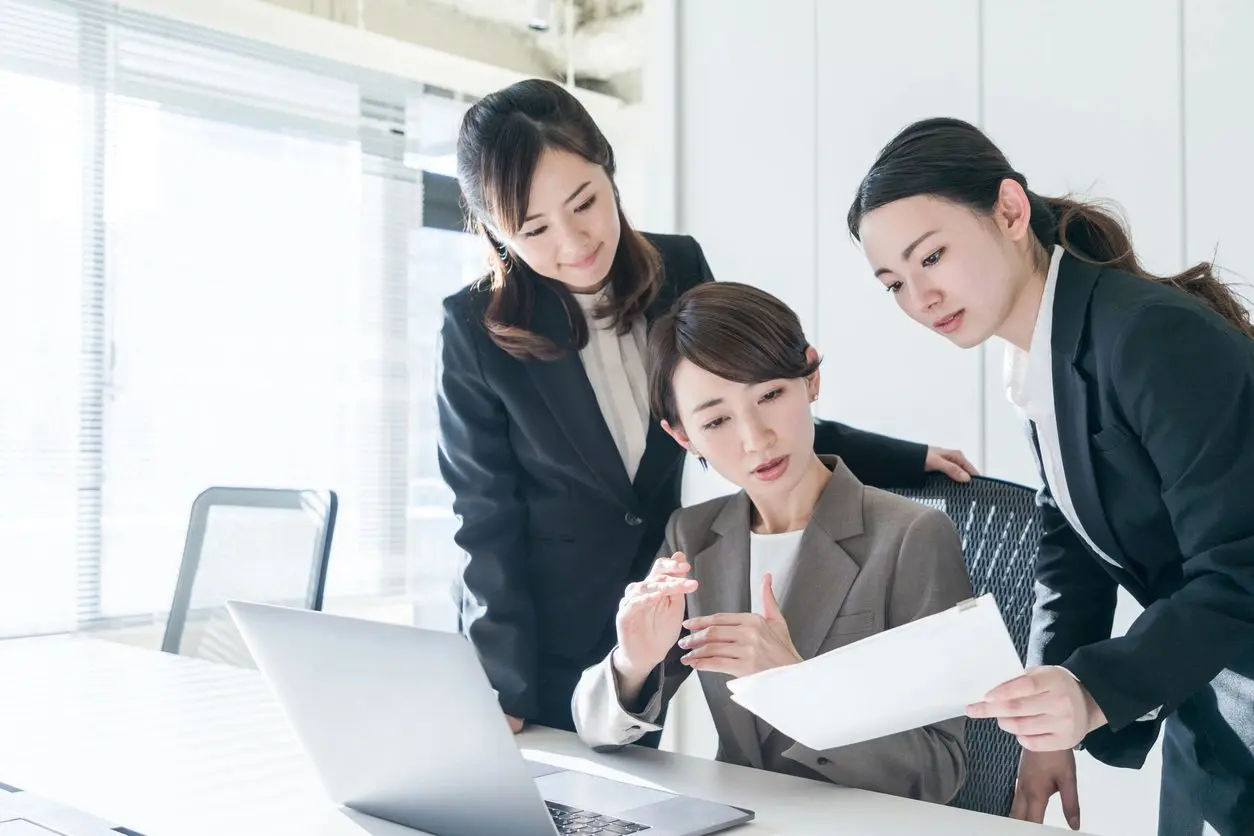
(950, 323)
(588, 260)
(771, 470)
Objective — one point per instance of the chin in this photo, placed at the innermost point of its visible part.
(968, 337)
(963, 341)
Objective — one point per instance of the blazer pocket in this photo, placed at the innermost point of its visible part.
(1110, 438)
(854, 622)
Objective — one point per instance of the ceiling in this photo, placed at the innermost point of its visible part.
(604, 51)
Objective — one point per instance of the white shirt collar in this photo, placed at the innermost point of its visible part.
(1029, 375)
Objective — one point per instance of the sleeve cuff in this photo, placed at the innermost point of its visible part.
(1147, 717)
(646, 720)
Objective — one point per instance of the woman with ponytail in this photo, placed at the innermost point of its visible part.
(1138, 392)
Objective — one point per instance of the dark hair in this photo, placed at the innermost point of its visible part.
(735, 331)
(501, 139)
(954, 160)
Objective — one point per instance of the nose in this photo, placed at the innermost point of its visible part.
(928, 294)
(573, 240)
(755, 435)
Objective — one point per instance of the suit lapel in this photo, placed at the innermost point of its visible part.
(722, 574)
(661, 453)
(661, 456)
(564, 385)
(1076, 281)
(824, 572)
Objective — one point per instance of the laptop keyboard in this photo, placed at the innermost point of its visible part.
(573, 820)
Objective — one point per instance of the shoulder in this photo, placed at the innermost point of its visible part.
(469, 302)
(683, 262)
(464, 312)
(1142, 330)
(886, 514)
(1129, 307)
(681, 254)
(672, 245)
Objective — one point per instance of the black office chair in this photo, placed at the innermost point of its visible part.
(255, 544)
(1000, 527)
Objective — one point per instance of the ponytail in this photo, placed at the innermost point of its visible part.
(1098, 234)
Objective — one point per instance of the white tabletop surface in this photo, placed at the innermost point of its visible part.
(171, 746)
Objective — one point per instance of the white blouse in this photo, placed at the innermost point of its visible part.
(615, 368)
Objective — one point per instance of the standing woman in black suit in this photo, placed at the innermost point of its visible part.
(562, 483)
(1139, 396)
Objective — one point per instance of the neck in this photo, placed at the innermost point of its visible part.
(1020, 324)
(596, 288)
(777, 513)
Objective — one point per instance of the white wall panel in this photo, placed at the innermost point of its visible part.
(882, 370)
(1219, 135)
(746, 142)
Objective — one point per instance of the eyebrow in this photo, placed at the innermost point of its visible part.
(905, 254)
(573, 195)
(711, 402)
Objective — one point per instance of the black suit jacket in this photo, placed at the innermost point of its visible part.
(1154, 396)
(552, 529)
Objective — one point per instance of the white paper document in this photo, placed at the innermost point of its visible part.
(910, 676)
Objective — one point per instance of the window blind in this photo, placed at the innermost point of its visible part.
(215, 272)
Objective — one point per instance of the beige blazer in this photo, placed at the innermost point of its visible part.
(868, 560)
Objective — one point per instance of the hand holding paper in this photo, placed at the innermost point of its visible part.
(911, 676)
(1047, 709)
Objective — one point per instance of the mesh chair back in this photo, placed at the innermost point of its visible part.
(1000, 527)
(255, 544)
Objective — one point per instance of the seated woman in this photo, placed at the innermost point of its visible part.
(804, 559)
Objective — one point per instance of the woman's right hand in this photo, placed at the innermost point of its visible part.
(650, 616)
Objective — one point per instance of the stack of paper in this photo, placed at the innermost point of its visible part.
(910, 676)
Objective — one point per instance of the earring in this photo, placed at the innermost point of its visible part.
(504, 254)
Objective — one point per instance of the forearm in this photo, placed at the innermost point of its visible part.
(928, 764)
(605, 717)
(630, 679)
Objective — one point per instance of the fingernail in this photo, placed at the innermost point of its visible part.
(1075, 823)
(684, 642)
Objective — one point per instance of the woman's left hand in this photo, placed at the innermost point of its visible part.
(1046, 708)
(950, 462)
(740, 644)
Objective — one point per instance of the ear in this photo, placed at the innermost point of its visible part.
(677, 433)
(812, 382)
(1013, 212)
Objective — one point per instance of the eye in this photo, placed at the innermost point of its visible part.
(714, 425)
(534, 232)
(933, 257)
(894, 287)
(772, 395)
(586, 204)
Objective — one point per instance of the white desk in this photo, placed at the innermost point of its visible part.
(171, 746)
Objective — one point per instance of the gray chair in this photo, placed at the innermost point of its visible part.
(257, 544)
(1000, 527)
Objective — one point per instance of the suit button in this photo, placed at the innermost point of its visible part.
(824, 761)
(632, 519)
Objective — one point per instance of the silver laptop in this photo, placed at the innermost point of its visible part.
(402, 724)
